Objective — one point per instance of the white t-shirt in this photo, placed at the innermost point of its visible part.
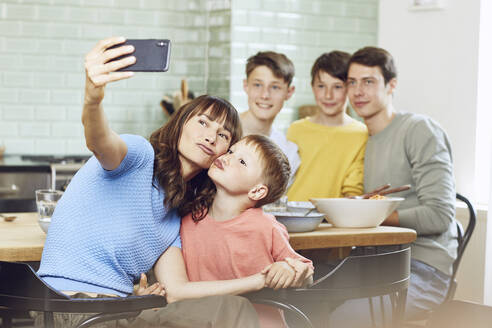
(290, 150)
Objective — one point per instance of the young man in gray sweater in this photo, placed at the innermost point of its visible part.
(406, 148)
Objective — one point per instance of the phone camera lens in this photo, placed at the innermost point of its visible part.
(160, 44)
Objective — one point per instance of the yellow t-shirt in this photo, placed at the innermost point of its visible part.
(332, 160)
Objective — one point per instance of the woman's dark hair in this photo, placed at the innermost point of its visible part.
(196, 195)
(373, 56)
(334, 63)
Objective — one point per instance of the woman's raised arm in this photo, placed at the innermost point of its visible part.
(170, 271)
(106, 145)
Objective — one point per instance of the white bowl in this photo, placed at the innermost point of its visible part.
(356, 213)
(302, 207)
(297, 222)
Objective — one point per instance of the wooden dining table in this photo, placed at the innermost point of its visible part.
(22, 239)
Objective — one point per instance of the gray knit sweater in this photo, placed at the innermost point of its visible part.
(414, 149)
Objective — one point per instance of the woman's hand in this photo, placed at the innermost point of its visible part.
(144, 289)
(278, 275)
(303, 272)
(107, 145)
(99, 71)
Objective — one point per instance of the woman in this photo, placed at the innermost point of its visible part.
(122, 209)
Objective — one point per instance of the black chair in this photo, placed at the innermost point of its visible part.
(21, 289)
(356, 276)
(463, 239)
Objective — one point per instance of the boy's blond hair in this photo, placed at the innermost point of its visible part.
(281, 66)
(276, 168)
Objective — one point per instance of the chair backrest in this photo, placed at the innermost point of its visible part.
(21, 281)
(463, 239)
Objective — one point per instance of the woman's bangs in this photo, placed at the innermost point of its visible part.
(220, 111)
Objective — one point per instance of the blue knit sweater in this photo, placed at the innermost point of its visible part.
(109, 226)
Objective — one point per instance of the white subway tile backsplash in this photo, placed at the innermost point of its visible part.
(275, 35)
(77, 146)
(345, 24)
(8, 96)
(154, 4)
(81, 15)
(66, 97)
(50, 113)
(10, 28)
(368, 26)
(111, 16)
(16, 145)
(64, 129)
(50, 146)
(43, 45)
(74, 113)
(34, 129)
(16, 11)
(27, 62)
(68, 64)
(54, 13)
(96, 32)
(47, 46)
(34, 96)
(137, 17)
(37, 29)
(20, 45)
(129, 4)
(49, 80)
(362, 10)
(17, 79)
(333, 8)
(97, 3)
(18, 112)
(8, 129)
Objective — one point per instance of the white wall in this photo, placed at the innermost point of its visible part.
(436, 53)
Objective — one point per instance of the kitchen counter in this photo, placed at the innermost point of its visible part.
(15, 163)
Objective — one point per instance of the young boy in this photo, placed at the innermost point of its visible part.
(237, 239)
(268, 85)
(331, 143)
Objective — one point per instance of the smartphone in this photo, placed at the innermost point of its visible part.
(152, 55)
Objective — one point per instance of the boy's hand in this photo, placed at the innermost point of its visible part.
(279, 275)
(144, 289)
(302, 271)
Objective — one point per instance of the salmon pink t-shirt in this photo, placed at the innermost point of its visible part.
(236, 248)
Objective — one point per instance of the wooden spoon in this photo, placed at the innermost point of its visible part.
(393, 190)
(184, 92)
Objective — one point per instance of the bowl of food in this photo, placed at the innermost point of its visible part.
(299, 206)
(299, 221)
(356, 213)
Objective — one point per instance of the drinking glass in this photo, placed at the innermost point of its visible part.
(46, 200)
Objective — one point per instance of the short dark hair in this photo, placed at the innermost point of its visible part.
(373, 56)
(334, 63)
(281, 66)
(275, 165)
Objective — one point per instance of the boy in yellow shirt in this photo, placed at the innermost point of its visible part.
(331, 143)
